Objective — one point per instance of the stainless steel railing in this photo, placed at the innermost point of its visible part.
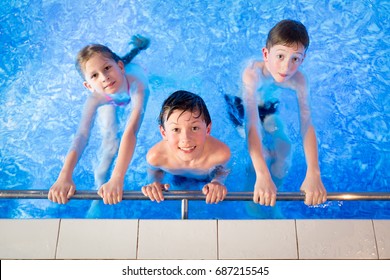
(185, 196)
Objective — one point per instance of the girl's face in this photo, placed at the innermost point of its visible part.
(282, 62)
(186, 134)
(104, 75)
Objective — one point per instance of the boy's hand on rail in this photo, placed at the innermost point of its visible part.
(214, 191)
(155, 191)
(264, 192)
(61, 191)
(315, 192)
(112, 191)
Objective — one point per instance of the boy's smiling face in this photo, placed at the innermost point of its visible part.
(104, 75)
(186, 133)
(282, 62)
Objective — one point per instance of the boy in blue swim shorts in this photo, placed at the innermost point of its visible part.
(285, 51)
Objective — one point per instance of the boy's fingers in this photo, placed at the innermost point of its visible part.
(273, 200)
(215, 196)
(255, 198)
(71, 191)
(262, 200)
(156, 193)
(160, 196)
(308, 198)
(222, 195)
(62, 198)
(151, 193)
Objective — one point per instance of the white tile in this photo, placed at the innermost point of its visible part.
(257, 239)
(382, 233)
(336, 239)
(177, 239)
(97, 239)
(28, 239)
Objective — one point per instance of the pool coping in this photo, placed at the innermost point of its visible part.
(194, 239)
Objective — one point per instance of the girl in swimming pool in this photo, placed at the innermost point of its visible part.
(112, 85)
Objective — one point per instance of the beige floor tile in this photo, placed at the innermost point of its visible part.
(97, 239)
(177, 239)
(257, 239)
(28, 239)
(382, 233)
(336, 239)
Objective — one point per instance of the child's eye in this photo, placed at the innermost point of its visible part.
(195, 128)
(93, 76)
(107, 67)
(280, 56)
(296, 59)
(175, 129)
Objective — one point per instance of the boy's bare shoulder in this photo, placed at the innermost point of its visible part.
(258, 64)
(219, 150)
(252, 75)
(157, 155)
(299, 81)
(254, 65)
(300, 77)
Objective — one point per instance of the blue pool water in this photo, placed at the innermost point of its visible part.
(201, 46)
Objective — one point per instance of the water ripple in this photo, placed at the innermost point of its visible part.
(201, 47)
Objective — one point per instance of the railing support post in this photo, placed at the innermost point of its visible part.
(184, 209)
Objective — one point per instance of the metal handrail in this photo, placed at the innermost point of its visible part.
(184, 196)
(197, 195)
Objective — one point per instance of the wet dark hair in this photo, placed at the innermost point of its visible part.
(288, 32)
(185, 101)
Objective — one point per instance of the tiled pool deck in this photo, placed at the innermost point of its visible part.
(194, 239)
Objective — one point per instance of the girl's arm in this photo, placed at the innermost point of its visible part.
(112, 191)
(64, 186)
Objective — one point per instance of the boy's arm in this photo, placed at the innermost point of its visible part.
(112, 191)
(219, 174)
(218, 155)
(265, 189)
(312, 184)
(154, 190)
(64, 186)
(216, 190)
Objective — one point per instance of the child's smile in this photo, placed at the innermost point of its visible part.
(187, 149)
(110, 85)
(186, 135)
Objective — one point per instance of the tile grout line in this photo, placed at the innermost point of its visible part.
(217, 239)
(58, 238)
(296, 238)
(375, 240)
(137, 244)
